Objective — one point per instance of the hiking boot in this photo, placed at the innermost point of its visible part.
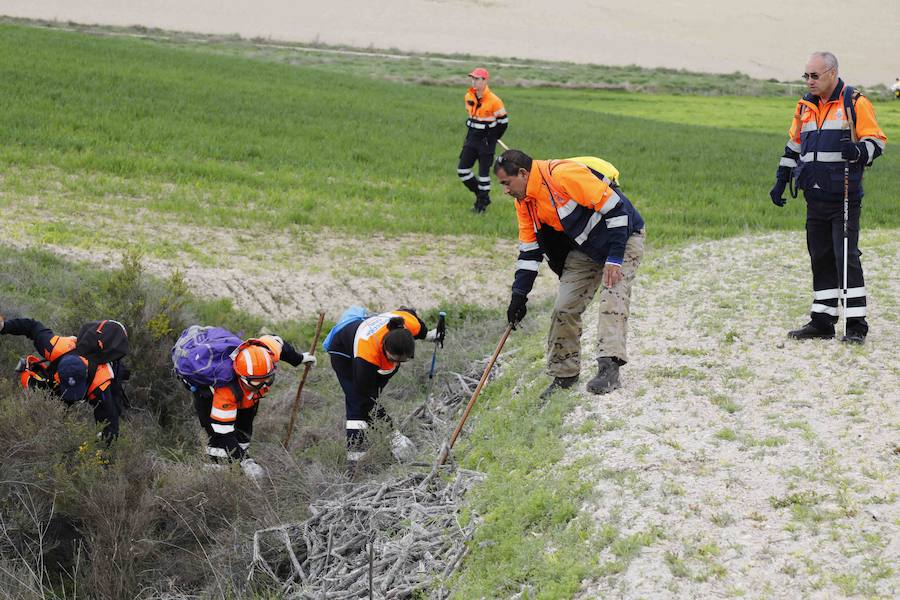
(811, 331)
(607, 377)
(854, 337)
(559, 383)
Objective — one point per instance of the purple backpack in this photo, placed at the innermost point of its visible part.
(202, 356)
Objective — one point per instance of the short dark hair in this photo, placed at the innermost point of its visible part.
(511, 161)
(399, 340)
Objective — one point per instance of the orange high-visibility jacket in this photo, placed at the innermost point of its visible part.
(53, 347)
(818, 130)
(486, 114)
(228, 399)
(580, 206)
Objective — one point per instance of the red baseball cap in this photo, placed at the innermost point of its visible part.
(480, 72)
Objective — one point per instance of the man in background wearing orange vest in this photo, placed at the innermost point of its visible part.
(819, 148)
(487, 122)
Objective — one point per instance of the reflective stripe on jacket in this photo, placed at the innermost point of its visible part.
(486, 114)
(572, 199)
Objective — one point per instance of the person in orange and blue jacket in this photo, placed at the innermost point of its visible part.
(365, 355)
(67, 374)
(227, 412)
(486, 122)
(574, 213)
(820, 145)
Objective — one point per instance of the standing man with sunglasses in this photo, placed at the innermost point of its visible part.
(834, 128)
(487, 121)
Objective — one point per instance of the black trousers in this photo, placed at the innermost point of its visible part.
(482, 151)
(361, 412)
(227, 446)
(825, 242)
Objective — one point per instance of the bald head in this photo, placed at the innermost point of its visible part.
(821, 74)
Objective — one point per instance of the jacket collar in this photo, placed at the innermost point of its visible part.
(834, 95)
(487, 90)
(535, 181)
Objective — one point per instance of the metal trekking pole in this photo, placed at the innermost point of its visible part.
(445, 451)
(852, 131)
(439, 328)
(297, 399)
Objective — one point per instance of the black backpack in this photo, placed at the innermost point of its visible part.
(103, 341)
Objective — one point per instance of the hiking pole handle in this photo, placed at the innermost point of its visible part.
(297, 398)
(437, 342)
(445, 451)
(505, 147)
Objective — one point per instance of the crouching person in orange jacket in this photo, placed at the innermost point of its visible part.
(227, 378)
(68, 369)
(366, 351)
(574, 213)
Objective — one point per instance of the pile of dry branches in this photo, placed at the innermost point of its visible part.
(382, 540)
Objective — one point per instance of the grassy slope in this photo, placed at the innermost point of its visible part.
(101, 122)
(128, 122)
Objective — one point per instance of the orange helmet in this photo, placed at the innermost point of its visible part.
(254, 365)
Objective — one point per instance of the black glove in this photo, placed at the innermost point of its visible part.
(290, 355)
(517, 310)
(777, 193)
(782, 176)
(441, 329)
(854, 152)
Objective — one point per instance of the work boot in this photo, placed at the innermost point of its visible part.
(607, 377)
(559, 383)
(854, 337)
(811, 331)
(481, 203)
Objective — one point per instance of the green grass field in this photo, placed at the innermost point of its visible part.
(224, 135)
(134, 125)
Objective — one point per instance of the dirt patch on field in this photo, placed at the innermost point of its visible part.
(735, 462)
(293, 273)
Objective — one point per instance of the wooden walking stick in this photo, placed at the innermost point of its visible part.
(298, 398)
(445, 451)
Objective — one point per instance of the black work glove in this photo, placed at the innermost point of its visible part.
(777, 193)
(782, 176)
(517, 310)
(441, 330)
(855, 152)
(290, 355)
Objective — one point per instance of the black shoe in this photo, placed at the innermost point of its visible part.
(811, 332)
(854, 337)
(481, 203)
(607, 377)
(559, 383)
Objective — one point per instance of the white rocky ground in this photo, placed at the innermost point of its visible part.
(742, 463)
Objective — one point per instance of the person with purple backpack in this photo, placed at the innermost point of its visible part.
(228, 377)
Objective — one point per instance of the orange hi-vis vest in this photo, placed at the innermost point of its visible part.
(485, 113)
(369, 341)
(548, 201)
(228, 399)
(59, 347)
(818, 131)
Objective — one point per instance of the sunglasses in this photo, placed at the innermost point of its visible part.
(815, 76)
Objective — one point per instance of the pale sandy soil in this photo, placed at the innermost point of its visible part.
(722, 419)
(766, 38)
(299, 272)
